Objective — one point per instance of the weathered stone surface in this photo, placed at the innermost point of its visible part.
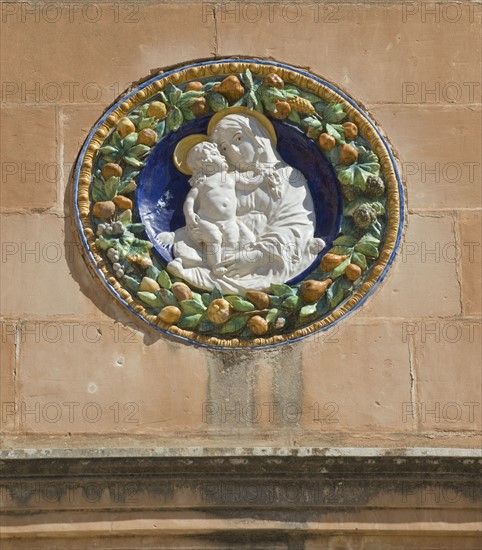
(99, 377)
(423, 280)
(8, 371)
(448, 376)
(446, 172)
(29, 168)
(470, 231)
(91, 53)
(394, 30)
(39, 254)
(356, 379)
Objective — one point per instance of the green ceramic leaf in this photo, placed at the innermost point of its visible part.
(309, 97)
(333, 113)
(173, 93)
(150, 122)
(164, 280)
(335, 293)
(291, 91)
(367, 249)
(358, 173)
(134, 162)
(215, 294)
(110, 187)
(345, 240)
(217, 102)
(376, 229)
(131, 283)
(208, 86)
(294, 117)
(271, 315)
(309, 121)
(129, 141)
(270, 95)
(346, 284)
(206, 326)
(313, 127)
(352, 206)
(126, 217)
(168, 297)
(198, 298)
(239, 304)
(187, 114)
(139, 246)
(126, 188)
(187, 99)
(248, 77)
(291, 302)
(340, 269)
(152, 272)
(150, 299)
(191, 306)
(347, 225)
(379, 207)
(242, 101)
(280, 289)
(138, 151)
(174, 119)
(336, 131)
(369, 239)
(159, 129)
(108, 150)
(276, 301)
(98, 190)
(103, 243)
(251, 100)
(308, 310)
(359, 259)
(129, 174)
(116, 140)
(143, 110)
(234, 324)
(190, 321)
(340, 250)
(323, 305)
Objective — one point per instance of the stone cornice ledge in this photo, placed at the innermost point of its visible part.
(231, 452)
(215, 497)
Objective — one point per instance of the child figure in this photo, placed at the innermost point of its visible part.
(210, 206)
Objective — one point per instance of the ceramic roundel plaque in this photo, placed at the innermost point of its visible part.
(238, 203)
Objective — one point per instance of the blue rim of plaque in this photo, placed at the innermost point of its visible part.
(312, 76)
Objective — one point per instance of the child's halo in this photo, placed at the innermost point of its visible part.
(182, 150)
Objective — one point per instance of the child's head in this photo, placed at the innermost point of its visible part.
(205, 158)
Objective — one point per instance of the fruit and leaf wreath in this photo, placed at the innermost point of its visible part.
(129, 256)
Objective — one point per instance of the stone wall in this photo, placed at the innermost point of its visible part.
(77, 372)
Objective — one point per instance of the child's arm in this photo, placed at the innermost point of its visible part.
(248, 184)
(188, 207)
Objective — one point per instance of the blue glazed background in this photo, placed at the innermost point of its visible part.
(162, 189)
(330, 86)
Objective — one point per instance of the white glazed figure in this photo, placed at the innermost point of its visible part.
(210, 206)
(274, 213)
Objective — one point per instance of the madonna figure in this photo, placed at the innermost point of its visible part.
(274, 212)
